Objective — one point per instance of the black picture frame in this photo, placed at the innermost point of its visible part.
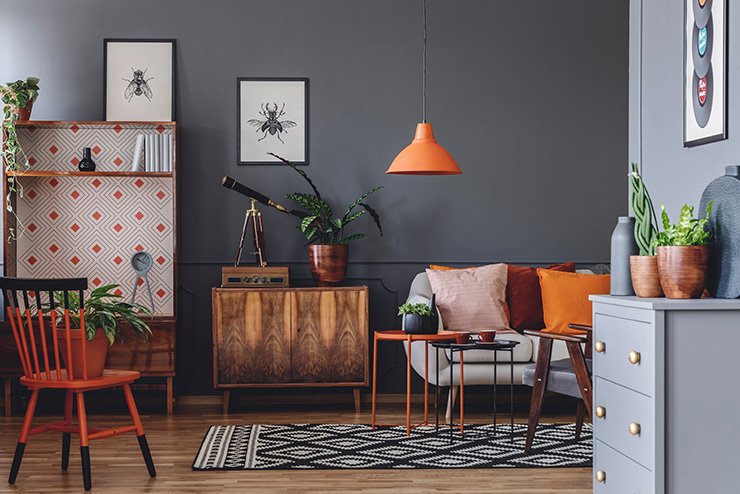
(264, 124)
(120, 57)
(705, 79)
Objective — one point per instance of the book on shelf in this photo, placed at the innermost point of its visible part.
(138, 151)
(157, 153)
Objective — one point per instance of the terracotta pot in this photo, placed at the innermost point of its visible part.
(24, 114)
(645, 279)
(683, 270)
(328, 263)
(96, 351)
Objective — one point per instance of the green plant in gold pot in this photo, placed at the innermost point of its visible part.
(644, 267)
(328, 249)
(683, 254)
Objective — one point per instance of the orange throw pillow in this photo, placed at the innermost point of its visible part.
(523, 295)
(565, 298)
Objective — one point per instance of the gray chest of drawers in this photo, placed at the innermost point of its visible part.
(666, 395)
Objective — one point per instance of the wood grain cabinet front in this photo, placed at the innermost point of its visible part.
(290, 337)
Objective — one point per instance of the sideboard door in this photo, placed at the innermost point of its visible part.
(252, 336)
(329, 336)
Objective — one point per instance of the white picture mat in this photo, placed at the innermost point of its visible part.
(716, 124)
(156, 59)
(254, 95)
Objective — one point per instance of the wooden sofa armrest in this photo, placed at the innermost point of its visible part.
(557, 336)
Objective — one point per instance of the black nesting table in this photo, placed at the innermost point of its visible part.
(495, 346)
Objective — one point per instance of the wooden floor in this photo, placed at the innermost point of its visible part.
(117, 465)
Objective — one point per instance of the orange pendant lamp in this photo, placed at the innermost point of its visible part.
(424, 156)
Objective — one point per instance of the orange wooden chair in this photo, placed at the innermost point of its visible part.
(42, 368)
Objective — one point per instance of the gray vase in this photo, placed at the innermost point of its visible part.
(623, 246)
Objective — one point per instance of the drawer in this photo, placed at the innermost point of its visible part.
(623, 407)
(623, 476)
(620, 337)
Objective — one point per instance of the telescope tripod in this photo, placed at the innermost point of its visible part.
(258, 236)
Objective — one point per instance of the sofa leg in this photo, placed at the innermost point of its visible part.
(451, 398)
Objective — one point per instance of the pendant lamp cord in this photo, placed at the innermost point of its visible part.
(424, 66)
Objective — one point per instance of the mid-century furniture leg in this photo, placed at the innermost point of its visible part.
(226, 397)
(356, 393)
(170, 395)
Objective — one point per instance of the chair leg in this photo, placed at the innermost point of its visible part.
(66, 436)
(542, 369)
(21, 446)
(84, 441)
(580, 412)
(581, 371)
(139, 430)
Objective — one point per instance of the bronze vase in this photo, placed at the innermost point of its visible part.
(328, 263)
(645, 279)
(683, 270)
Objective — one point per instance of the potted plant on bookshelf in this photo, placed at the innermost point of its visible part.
(18, 98)
(104, 313)
(328, 249)
(683, 254)
(418, 318)
(644, 267)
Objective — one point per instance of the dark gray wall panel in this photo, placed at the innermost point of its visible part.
(529, 97)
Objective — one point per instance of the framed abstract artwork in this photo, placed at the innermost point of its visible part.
(139, 80)
(272, 117)
(705, 72)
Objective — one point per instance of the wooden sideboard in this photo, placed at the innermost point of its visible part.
(664, 380)
(290, 337)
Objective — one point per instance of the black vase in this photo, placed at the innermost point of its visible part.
(87, 164)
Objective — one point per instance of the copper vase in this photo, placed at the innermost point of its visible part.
(683, 270)
(328, 263)
(645, 279)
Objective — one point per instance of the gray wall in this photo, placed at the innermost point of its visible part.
(529, 97)
(674, 175)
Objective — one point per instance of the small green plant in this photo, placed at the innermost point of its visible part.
(646, 222)
(319, 226)
(419, 309)
(688, 231)
(105, 310)
(15, 96)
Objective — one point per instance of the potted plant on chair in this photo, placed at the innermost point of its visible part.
(683, 254)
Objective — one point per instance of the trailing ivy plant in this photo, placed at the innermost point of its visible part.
(320, 225)
(646, 222)
(15, 96)
(418, 309)
(688, 231)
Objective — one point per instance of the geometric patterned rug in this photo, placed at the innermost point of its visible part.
(337, 446)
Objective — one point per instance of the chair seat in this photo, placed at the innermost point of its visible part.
(109, 378)
(561, 379)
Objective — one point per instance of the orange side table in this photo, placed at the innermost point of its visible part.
(399, 335)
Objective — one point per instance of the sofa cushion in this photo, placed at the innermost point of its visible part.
(524, 297)
(448, 268)
(565, 298)
(471, 299)
(522, 352)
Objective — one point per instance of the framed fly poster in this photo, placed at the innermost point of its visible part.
(272, 117)
(705, 72)
(139, 80)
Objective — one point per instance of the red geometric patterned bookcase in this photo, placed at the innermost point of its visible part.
(89, 224)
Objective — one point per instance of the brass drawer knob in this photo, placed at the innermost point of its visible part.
(599, 346)
(634, 357)
(600, 412)
(600, 475)
(634, 428)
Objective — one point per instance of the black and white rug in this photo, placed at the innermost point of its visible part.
(334, 446)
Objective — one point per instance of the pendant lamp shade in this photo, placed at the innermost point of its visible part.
(424, 156)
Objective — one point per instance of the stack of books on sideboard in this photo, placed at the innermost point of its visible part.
(156, 152)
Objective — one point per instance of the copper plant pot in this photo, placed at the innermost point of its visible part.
(683, 270)
(95, 350)
(328, 263)
(24, 114)
(645, 280)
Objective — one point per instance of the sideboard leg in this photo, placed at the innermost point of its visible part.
(227, 395)
(356, 393)
(7, 399)
(170, 395)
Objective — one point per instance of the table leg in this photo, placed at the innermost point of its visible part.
(408, 388)
(495, 378)
(375, 377)
(511, 392)
(450, 401)
(436, 388)
(462, 391)
(426, 382)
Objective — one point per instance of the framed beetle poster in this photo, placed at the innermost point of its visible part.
(139, 80)
(705, 72)
(272, 117)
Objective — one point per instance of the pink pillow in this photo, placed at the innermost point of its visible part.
(471, 299)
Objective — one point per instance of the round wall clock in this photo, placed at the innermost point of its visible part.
(141, 262)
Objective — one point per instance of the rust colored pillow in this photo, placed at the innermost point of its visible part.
(565, 298)
(506, 305)
(524, 297)
(471, 299)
